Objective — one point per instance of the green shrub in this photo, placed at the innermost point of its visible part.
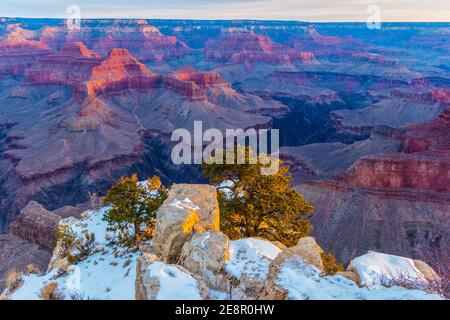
(133, 206)
(330, 265)
(259, 205)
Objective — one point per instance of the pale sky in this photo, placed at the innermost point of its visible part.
(311, 10)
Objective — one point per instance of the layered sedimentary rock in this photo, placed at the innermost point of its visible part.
(69, 66)
(142, 40)
(239, 47)
(31, 240)
(425, 164)
(192, 84)
(395, 202)
(36, 225)
(119, 72)
(17, 53)
(409, 108)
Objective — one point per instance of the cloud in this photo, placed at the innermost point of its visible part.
(317, 10)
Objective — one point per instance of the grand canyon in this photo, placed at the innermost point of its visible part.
(364, 120)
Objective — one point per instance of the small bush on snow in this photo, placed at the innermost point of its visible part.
(50, 292)
(330, 265)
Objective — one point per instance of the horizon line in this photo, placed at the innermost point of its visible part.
(193, 19)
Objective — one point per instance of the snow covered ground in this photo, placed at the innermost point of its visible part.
(102, 276)
(374, 266)
(304, 282)
(251, 256)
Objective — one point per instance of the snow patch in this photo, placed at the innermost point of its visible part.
(174, 283)
(304, 282)
(374, 267)
(186, 203)
(101, 276)
(251, 256)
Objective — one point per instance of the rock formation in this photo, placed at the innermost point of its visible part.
(187, 210)
(36, 225)
(243, 47)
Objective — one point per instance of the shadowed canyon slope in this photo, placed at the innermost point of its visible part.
(363, 116)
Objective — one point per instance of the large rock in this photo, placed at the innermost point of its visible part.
(188, 209)
(206, 256)
(143, 286)
(248, 267)
(36, 224)
(428, 273)
(16, 253)
(349, 275)
(307, 249)
(158, 281)
(374, 268)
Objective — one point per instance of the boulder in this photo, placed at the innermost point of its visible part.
(58, 260)
(307, 249)
(145, 288)
(248, 267)
(309, 253)
(428, 273)
(349, 275)
(375, 268)
(206, 256)
(188, 209)
(156, 280)
(36, 225)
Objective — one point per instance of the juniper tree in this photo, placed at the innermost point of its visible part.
(133, 206)
(256, 205)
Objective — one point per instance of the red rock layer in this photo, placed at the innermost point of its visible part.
(70, 66)
(434, 136)
(36, 225)
(250, 47)
(120, 71)
(425, 164)
(18, 53)
(146, 42)
(191, 83)
(441, 95)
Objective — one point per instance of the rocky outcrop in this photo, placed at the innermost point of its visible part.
(441, 95)
(193, 84)
(240, 47)
(188, 209)
(158, 281)
(120, 71)
(142, 40)
(425, 164)
(206, 256)
(146, 289)
(69, 66)
(36, 225)
(376, 268)
(307, 249)
(17, 52)
(17, 253)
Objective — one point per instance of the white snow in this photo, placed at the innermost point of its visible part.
(304, 282)
(174, 283)
(251, 256)
(226, 187)
(373, 267)
(101, 276)
(185, 203)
